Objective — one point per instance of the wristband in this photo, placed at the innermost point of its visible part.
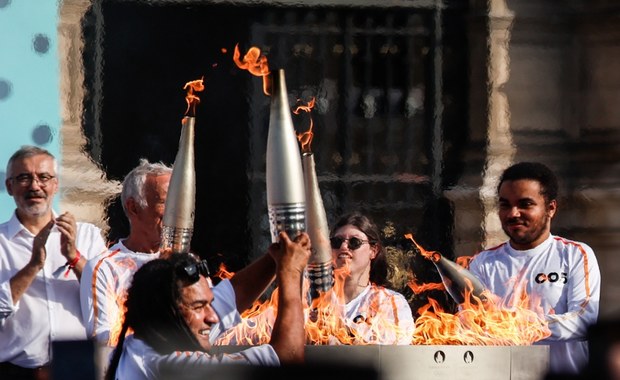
(71, 264)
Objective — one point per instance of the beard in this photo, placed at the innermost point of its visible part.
(34, 209)
(533, 232)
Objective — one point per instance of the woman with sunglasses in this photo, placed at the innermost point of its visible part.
(373, 312)
(172, 310)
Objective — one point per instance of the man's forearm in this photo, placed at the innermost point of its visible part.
(250, 282)
(288, 336)
(22, 280)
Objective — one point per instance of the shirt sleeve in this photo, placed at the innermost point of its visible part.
(90, 241)
(225, 306)
(6, 302)
(584, 282)
(475, 269)
(86, 299)
(197, 362)
(99, 301)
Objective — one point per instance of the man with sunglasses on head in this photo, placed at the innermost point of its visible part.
(42, 255)
(170, 308)
(108, 276)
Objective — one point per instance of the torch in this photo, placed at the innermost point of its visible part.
(458, 281)
(320, 268)
(178, 220)
(285, 184)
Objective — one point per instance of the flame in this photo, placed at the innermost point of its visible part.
(421, 288)
(223, 273)
(116, 300)
(191, 99)
(490, 323)
(324, 322)
(254, 62)
(305, 139)
(117, 315)
(517, 321)
(431, 255)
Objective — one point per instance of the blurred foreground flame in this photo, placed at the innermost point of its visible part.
(492, 322)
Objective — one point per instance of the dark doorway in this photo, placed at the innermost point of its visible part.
(380, 109)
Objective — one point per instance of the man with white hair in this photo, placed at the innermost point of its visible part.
(107, 277)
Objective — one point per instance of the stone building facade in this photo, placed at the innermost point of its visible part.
(543, 84)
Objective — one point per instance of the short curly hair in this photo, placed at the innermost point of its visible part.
(534, 171)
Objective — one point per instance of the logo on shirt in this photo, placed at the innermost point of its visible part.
(551, 277)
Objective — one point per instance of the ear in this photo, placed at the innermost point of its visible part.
(131, 206)
(9, 186)
(552, 207)
(374, 249)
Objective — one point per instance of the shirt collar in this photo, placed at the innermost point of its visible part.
(533, 251)
(15, 226)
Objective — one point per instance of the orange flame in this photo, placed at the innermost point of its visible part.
(254, 62)
(324, 322)
(478, 323)
(115, 300)
(520, 321)
(483, 323)
(421, 288)
(464, 261)
(223, 273)
(191, 99)
(305, 139)
(426, 254)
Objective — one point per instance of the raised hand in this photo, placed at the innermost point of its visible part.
(39, 252)
(67, 227)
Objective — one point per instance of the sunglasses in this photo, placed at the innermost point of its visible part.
(193, 271)
(353, 243)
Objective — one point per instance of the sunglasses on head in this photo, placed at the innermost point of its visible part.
(193, 271)
(353, 243)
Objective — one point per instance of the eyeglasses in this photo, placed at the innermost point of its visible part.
(25, 179)
(193, 271)
(353, 243)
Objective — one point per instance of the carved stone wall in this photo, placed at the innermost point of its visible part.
(85, 189)
(543, 85)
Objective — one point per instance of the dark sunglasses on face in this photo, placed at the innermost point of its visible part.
(193, 271)
(353, 243)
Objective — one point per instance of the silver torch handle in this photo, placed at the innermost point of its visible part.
(285, 185)
(178, 220)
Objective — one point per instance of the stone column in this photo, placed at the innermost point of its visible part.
(84, 187)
